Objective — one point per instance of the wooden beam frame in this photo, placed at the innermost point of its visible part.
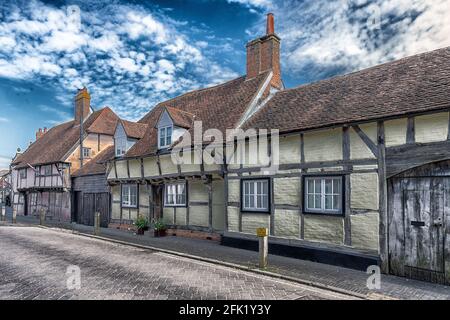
(410, 131)
(382, 200)
(369, 143)
(347, 187)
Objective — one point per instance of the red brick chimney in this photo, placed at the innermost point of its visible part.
(263, 54)
(82, 105)
(39, 133)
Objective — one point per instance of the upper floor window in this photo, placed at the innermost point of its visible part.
(165, 137)
(175, 194)
(121, 146)
(323, 195)
(23, 173)
(255, 195)
(86, 153)
(47, 170)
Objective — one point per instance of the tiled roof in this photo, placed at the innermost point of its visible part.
(95, 165)
(104, 124)
(415, 84)
(219, 107)
(134, 129)
(57, 141)
(181, 118)
(4, 172)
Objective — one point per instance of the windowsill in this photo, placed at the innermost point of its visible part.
(325, 213)
(175, 206)
(255, 211)
(129, 207)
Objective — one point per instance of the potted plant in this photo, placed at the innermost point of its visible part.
(160, 228)
(141, 224)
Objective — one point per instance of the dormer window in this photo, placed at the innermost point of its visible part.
(121, 146)
(165, 137)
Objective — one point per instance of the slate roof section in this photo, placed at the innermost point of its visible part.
(54, 145)
(134, 129)
(415, 84)
(96, 165)
(220, 107)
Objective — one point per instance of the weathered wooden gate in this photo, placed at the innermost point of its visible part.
(419, 214)
(93, 202)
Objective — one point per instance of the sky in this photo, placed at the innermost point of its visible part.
(133, 54)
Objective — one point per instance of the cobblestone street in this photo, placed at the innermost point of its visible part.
(34, 262)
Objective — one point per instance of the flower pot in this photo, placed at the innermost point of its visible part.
(140, 231)
(160, 233)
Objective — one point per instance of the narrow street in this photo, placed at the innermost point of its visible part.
(34, 264)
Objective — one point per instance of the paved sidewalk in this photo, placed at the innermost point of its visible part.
(346, 280)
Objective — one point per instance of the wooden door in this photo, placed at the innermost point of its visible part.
(102, 206)
(424, 234)
(157, 202)
(87, 217)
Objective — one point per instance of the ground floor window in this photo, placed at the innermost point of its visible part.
(129, 195)
(175, 194)
(324, 195)
(255, 195)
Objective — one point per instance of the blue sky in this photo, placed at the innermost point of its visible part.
(133, 54)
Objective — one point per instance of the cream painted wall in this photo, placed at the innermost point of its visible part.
(289, 149)
(252, 221)
(358, 148)
(121, 166)
(323, 145)
(135, 168)
(287, 223)
(431, 128)
(287, 191)
(167, 165)
(233, 219)
(395, 132)
(324, 229)
(197, 191)
(365, 231)
(233, 190)
(364, 191)
(198, 216)
(151, 167)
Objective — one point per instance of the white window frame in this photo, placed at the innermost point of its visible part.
(247, 205)
(120, 145)
(129, 200)
(162, 134)
(88, 155)
(177, 192)
(321, 209)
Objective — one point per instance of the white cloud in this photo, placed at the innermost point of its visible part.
(62, 114)
(253, 3)
(4, 162)
(128, 56)
(2, 119)
(321, 36)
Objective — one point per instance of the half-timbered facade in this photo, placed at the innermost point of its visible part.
(41, 175)
(359, 175)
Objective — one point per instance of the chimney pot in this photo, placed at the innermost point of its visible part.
(40, 130)
(45, 129)
(270, 24)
